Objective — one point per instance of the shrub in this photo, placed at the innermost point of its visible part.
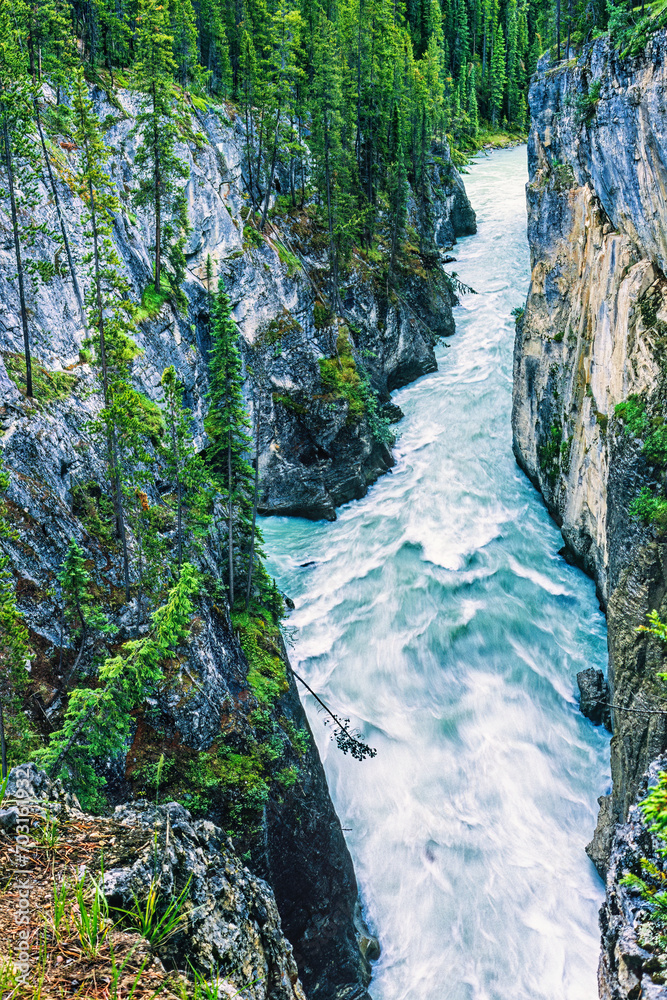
(632, 412)
(48, 386)
(585, 105)
(648, 508)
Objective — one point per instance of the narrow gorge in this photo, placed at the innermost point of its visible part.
(333, 499)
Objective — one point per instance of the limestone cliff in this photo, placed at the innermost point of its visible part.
(592, 337)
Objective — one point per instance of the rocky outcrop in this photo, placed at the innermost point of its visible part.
(228, 929)
(587, 341)
(591, 336)
(632, 963)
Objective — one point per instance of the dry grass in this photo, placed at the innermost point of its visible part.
(116, 965)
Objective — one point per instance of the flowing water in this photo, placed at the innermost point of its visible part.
(438, 616)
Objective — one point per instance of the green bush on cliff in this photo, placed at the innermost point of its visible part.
(585, 105)
(549, 453)
(655, 446)
(342, 378)
(48, 386)
(259, 637)
(98, 720)
(648, 508)
(632, 411)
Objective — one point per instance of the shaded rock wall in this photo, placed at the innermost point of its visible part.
(591, 335)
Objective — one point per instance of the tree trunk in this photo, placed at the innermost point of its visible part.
(332, 245)
(156, 169)
(230, 536)
(112, 444)
(3, 744)
(273, 170)
(557, 30)
(19, 262)
(61, 220)
(569, 25)
(254, 513)
(179, 500)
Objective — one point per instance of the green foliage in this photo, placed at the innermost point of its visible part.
(648, 508)
(586, 104)
(146, 919)
(91, 915)
(81, 607)
(48, 386)
(549, 453)
(632, 412)
(95, 510)
(630, 28)
(341, 380)
(278, 328)
(648, 308)
(655, 446)
(152, 301)
(97, 722)
(289, 403)
(158, 127)
(14, 646)
(259, 639)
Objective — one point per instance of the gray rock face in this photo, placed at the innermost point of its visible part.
(592, 335)
(594, 696)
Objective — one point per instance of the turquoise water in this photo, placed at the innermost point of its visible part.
(438, 616)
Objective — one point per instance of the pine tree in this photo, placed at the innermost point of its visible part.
(498, 74)
(284, 75)
(81, 609)
(332, 167)
(184, 466)
(98, 721)
(21, 160)
(184, 40)
(110, 310)
(157, 125)
(14, 639)
(227, 427)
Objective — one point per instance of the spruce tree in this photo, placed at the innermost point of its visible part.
(14, 639)
(81, 608)
(21, 161)
(227, 427)
(158, 127)
(110, 310)
(184, 466)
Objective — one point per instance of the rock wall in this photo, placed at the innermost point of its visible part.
(312, 457)
(592, 335)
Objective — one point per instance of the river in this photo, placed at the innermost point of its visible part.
(438, 616)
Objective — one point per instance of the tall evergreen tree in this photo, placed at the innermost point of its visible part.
(14, 639)
(111, 313)
(227, 426)
(158, 165)
(21, 163)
